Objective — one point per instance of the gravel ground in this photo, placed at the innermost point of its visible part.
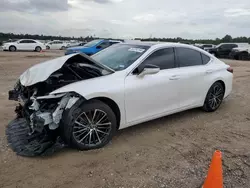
(172, 151)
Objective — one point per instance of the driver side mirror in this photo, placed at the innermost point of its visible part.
(98, 47)
(147, 69)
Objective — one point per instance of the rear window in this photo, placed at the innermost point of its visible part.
(188, 57)
(205, 58)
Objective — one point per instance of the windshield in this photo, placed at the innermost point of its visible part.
(120, 56)
(92, 43)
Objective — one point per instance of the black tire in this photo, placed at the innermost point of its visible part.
(69, 129)
(38, 49)
(214, 97)
(243, 56)
(47, 47)
(12, 48)
(63, 48)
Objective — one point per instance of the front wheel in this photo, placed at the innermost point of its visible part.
(214, 97)
(12, 48)
(88, 125)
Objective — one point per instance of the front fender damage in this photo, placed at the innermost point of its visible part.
(40, 118)
(37, 134)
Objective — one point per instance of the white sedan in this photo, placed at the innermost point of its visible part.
(24, 45)
(85, 100)
(56, 45)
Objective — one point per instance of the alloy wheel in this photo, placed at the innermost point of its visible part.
(216, 97)
(91, 128)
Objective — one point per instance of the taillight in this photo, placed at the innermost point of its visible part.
(230, 69)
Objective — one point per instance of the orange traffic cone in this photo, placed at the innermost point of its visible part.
(214, 177)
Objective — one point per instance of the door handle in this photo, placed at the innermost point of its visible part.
(174, 77)
(209, 71)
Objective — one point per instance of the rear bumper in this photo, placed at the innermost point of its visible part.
(229, 84)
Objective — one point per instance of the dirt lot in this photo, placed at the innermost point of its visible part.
(173, 151)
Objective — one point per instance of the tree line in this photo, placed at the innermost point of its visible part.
(227, 38)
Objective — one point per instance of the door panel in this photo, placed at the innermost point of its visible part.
(23, 46)
(194, 82)
(151, 95)
(193, 76)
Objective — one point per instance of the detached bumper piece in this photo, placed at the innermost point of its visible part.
(13, 95)
(30, 145)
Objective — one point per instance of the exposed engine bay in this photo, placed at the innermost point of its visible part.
(38, 111)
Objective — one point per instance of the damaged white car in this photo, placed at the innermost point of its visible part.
(83, 100)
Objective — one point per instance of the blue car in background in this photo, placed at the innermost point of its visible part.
(92, 47)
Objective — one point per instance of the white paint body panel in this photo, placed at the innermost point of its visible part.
(53, 45)
(24, 46)
(145, 98)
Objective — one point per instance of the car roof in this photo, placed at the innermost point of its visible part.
(238, 43)
(160, 44)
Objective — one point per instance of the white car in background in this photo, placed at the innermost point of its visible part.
(24, 45)
(56, 45)
(85, 100)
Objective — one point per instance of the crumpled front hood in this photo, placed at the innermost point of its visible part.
(42, 71)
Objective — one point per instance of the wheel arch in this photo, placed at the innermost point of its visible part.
(12, 45)
(218, 80)
(113, 105)
(38, 47)
(222, 82)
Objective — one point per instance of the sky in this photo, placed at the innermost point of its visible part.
(194, 19)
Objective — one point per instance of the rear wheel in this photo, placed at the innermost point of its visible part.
(243, 56)
(214, 97)
(38, 49)
(63, 48)
(88, 125)
(47, 47)
(12, 48)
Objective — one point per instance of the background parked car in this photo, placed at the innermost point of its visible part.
(240, 53)
(56, 45)
(76, 44)
(207, 46)
(24, 44)
(92, 47)
(224, 49)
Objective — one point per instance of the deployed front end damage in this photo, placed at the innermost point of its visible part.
(36, 129)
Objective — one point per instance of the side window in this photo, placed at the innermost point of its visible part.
(224, 46)
(24, 41)
(234, 46)
(188, 57)
(163, 58)
(32, 41)
(228, 46)
(205, 59)
(207, 46)
(104, 45)
(111, 43)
